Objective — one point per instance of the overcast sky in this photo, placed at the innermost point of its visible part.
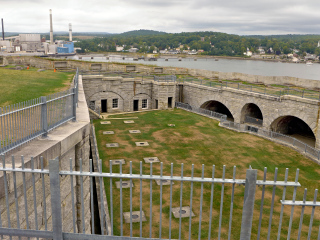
(243, 17)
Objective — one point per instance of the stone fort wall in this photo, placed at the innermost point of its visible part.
(104, 66)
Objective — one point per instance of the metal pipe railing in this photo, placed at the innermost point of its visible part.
(22, 122)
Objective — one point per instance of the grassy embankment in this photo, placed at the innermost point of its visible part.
(199, 140)
(22, 85)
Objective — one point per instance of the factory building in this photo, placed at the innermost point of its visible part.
(68, 47)
(30, 42)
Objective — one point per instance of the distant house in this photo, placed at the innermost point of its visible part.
(310, 57)
(133, 50)
(294, 59)
(270, 50)
(119, 48)
(261, 50)
(193, 52)
(200, 50)
(173, 51)
(248, 53)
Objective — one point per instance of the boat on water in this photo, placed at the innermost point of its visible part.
(309, 63)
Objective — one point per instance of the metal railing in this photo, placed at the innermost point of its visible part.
(22, 122)
(297, 144)
(276, 92)
(157, 78)
(301, 146)
(165, 78)
(256, 121)
(201, 111)
(191, 194)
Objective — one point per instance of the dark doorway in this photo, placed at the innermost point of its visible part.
(135, 105)
(156, 104)
(103, 105)
(169, 102)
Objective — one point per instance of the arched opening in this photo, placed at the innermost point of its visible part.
(251, 113)
(295, 127)
(218, 107)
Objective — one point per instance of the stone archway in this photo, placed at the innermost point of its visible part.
(251, 113)
(218, 107)
(294, 127)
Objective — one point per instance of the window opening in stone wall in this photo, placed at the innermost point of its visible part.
(92, 105)
(156, 103)
(144, 103)
(115, 103)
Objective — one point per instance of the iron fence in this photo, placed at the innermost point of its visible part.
(297, 144)
(22, 122)
(157, 78)
(213, 207)
(201, 111)
(301, 146)
(165, 78)
(256, 121)
(274, 91)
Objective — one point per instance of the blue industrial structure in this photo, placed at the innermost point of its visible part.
(68, 47)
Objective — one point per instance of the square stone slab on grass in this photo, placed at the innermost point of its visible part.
(164, 182)
(118, 161)
(108, 132)
(135, 216)
(151, 159)
(125, 184)
(185, 212)
(134, 131)
(128, 121)
(139, 144)
(171, 125)
(105, 122)
(112, 145)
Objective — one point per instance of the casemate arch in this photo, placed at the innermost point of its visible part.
(295, 127)
(218, 107)
(251, 110)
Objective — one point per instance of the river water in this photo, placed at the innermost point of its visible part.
(263, 68)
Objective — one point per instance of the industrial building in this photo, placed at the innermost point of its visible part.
(31, 42)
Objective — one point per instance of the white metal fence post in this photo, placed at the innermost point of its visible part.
(55, 199)
(248, 205)
(74, 104)
(44, 116)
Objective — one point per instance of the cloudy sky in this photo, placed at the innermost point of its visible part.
(243, 17)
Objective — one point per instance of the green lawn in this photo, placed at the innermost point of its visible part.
(22, 85)
(199, 140)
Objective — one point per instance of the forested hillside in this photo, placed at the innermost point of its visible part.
(212, 43)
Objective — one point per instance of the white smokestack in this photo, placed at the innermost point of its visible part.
(70, 32)
(51, 29)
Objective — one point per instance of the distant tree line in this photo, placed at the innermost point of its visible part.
(212, 43)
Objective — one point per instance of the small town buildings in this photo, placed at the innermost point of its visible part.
(119, 48)
(133, 50)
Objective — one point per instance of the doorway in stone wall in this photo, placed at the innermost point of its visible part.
(135, 105)
(169, 102)
(104, 105)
